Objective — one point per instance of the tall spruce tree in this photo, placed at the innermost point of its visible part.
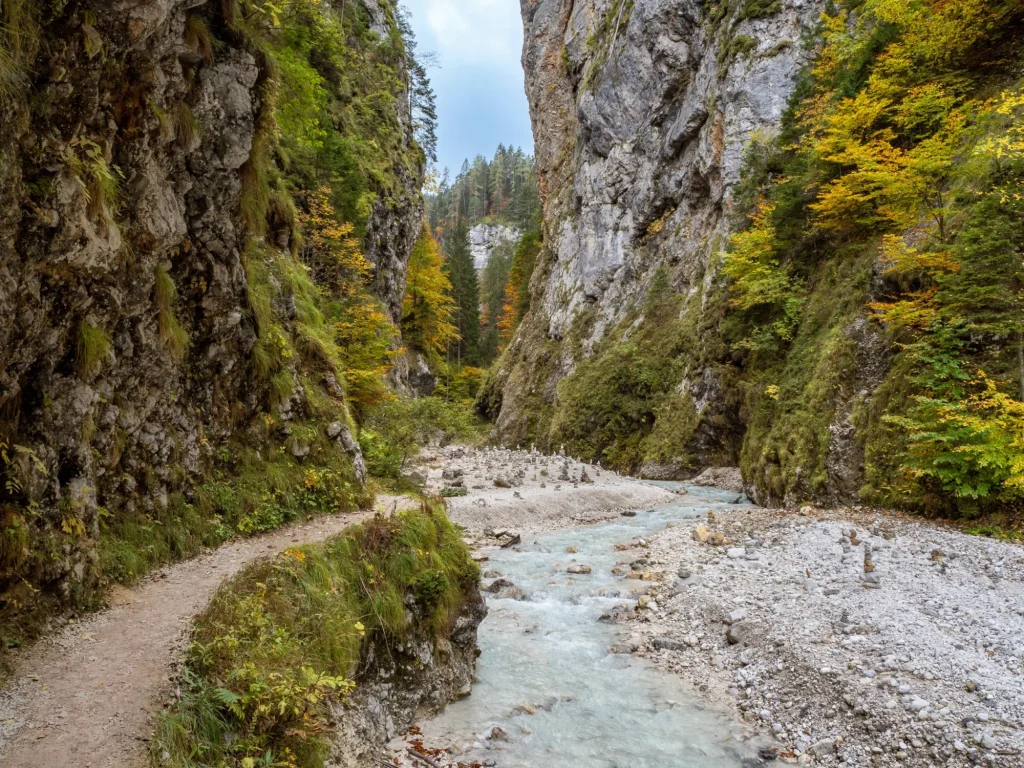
(466, 293)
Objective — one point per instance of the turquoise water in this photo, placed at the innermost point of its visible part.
(594, 709)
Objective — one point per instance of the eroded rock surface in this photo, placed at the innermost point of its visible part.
(642, 115)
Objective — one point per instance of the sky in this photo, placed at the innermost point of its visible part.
(479, 81)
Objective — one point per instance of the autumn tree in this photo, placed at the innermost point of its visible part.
(517, 291)
(901, 149)
(429, 308)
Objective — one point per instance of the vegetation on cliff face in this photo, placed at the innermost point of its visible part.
(894, 196)
(283, 640)
(861, 335)
(271, 333)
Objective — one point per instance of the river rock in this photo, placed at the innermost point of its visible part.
(497, 585)
(668, 644)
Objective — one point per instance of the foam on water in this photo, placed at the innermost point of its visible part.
(595, 709)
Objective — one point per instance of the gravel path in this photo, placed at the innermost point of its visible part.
(85, 696)
(854, 638)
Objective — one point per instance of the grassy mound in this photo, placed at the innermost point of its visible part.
(284, 637)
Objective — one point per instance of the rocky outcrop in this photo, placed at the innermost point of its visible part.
(102, 407)
(643, 112)
(399, 684)
(484, 238)
(123, 166)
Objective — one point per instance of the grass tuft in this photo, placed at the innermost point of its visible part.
(172, 334)
(229, 10)
(198, 37)
(188, 131)
(19, 43)
(92, 351)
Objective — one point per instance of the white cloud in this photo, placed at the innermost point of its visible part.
(475, 31)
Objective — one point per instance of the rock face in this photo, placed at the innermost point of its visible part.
(484, 238)
(396, 686)
(642, 114)
(103, 409)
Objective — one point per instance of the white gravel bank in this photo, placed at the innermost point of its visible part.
(921, 668)
(544, 493)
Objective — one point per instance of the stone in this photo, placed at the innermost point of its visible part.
(668, 644)
(823, 748)
(497, 734)
(736, 634)
(737, 615)
(917, 704)
(578, 569)
(736, 553)
(496, 586)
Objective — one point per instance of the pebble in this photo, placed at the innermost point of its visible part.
(738, 615)
(917, 704)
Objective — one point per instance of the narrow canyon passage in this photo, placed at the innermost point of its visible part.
(687, 336)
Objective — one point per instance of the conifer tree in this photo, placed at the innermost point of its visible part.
(462, 275)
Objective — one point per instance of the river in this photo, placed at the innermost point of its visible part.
(547, 677)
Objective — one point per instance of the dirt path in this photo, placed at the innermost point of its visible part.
(85, 696)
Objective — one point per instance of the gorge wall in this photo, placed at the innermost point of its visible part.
(156, 327)
(765, 246)
(642, 113)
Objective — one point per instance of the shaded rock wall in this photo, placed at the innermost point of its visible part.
(98, 408)
(400, 684)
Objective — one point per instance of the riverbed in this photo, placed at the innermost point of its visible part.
(555, 688)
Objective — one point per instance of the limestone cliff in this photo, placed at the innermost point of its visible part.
(641, 111)
(135, 153)
(484, 238)
(756, 255)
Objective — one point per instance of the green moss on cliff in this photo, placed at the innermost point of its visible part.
(831, 252)
(793, 399)
(610, 405)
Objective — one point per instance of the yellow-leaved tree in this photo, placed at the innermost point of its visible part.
(363, 333)
(428, 307)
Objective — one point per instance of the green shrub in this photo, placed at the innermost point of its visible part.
(396, 429)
